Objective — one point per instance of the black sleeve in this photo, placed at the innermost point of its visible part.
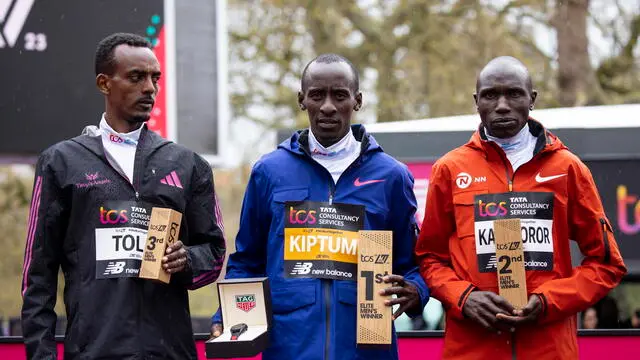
(43, 253)
(206, 244)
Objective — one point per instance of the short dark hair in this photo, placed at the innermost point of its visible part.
(328, 59)
(105, 59)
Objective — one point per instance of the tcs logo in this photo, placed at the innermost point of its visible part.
(302, 216)
(492, 209)
(116, 138)
(113, 216)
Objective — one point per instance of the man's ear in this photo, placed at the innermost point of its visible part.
(358, 101)
(475, 99)
(103, 84)
(301, 101)
(534, 96)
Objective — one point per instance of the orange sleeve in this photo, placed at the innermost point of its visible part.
(432, 248)
(602, 268)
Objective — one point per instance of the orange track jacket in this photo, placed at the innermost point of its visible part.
(455, 243)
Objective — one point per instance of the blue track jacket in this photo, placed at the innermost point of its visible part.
(315, 319)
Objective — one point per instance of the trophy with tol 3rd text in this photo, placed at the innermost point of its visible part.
(164, 228)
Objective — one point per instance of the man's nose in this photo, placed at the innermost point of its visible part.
(149, 86)
(327, 107)
(503, 105)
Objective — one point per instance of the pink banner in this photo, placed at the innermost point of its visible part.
(591, 348)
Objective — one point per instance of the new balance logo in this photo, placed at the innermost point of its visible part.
(301, 268)
(114, 268)
(172, 180)
(13, 19)
(492, 264)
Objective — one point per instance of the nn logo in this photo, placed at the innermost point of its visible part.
(464, 180)
(13, 15)
(246, 302)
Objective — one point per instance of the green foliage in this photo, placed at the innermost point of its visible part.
(420, 58)
(417, 58)
(15, 195)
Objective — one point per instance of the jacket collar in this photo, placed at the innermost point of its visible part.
(546, 140)
(298, 143)
(148, 142)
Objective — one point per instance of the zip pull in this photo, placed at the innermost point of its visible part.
(605, 239)
(137, 196)
(510, 185)
(330, 198)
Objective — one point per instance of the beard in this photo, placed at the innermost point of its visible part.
(138, 118)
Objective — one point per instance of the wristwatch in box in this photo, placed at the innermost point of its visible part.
(237, 330)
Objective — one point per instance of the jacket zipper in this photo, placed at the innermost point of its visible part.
(137, 163)
(326, 283)
(506, 171)
(510, 180)
(326, 286)
(503, 156)
(605, 238)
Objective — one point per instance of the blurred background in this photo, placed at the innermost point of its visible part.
(232, 70)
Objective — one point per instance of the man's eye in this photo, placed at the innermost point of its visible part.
(135, 77)
(515, 93)
(341, 96)
(490, 95)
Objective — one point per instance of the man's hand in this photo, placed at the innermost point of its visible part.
(175, 259)
(407, 293)
(525, 315)
(485, 307)
(216, 330)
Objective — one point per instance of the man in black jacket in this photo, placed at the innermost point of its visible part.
(92, 200)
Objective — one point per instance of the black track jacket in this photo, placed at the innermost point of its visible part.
(90, 220)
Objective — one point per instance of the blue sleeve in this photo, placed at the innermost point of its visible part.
(249, 260)
(405, 232)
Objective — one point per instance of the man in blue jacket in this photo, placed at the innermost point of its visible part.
(337, 166)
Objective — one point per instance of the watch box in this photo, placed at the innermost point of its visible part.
(242, 302)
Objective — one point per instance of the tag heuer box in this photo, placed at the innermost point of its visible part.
(246, 317)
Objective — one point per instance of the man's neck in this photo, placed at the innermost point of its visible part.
(120, 125)
(333, 148)
(330, 142)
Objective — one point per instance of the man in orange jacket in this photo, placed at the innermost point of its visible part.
(513, 166)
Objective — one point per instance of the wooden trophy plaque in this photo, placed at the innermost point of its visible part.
(375, 249)
(164, 228)
(512, 280)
